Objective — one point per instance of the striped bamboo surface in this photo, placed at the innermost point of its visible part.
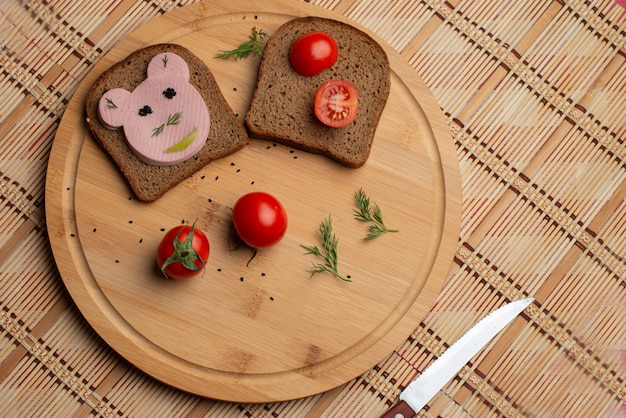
(534, 94)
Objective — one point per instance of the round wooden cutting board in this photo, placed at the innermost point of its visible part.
(264, 330)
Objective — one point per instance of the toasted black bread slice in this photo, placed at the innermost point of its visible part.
(149, 182)
(282, 104)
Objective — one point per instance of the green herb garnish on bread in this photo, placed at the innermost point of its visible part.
(200, 139)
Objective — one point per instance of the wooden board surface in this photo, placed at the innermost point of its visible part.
(264, 331)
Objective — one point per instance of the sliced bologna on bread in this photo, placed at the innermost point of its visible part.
(149, 171)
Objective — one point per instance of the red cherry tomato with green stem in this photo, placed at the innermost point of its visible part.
(312, 53)
(183, 252)
(260, 220)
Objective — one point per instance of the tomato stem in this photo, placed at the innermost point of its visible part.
(184, 253)
(251, 258)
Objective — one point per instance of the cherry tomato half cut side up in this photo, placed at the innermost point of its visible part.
(259, 219)
(336, 103)
(312, 53)
(183, 252)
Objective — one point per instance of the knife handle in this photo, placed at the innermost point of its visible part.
(399, 410)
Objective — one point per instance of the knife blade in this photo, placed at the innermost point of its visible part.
(425, 386)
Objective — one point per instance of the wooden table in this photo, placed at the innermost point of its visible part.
(533, 94)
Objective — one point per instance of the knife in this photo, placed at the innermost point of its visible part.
(425, 386)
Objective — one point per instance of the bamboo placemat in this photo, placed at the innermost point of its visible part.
(534, 94)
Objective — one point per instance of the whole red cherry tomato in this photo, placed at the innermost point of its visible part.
(336, 103)
(312, 53)
(259, 219)
(183, 252)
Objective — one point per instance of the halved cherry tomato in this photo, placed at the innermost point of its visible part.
(259, 219)
(336, 103)
(312, 53)
(183, 252)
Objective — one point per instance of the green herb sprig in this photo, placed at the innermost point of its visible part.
(374, 215)
(111, 104)
(328, 251)
(254, 44)
(173, 119)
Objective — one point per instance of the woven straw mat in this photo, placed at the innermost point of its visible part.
(533, 93)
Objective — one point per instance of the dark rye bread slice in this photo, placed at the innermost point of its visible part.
(149, 182)
(282, 104)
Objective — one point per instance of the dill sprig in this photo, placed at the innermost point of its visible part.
(111, 104)
(328, 251)
(173, 119)
(255, 44)
(158, 130)
(374, 215)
